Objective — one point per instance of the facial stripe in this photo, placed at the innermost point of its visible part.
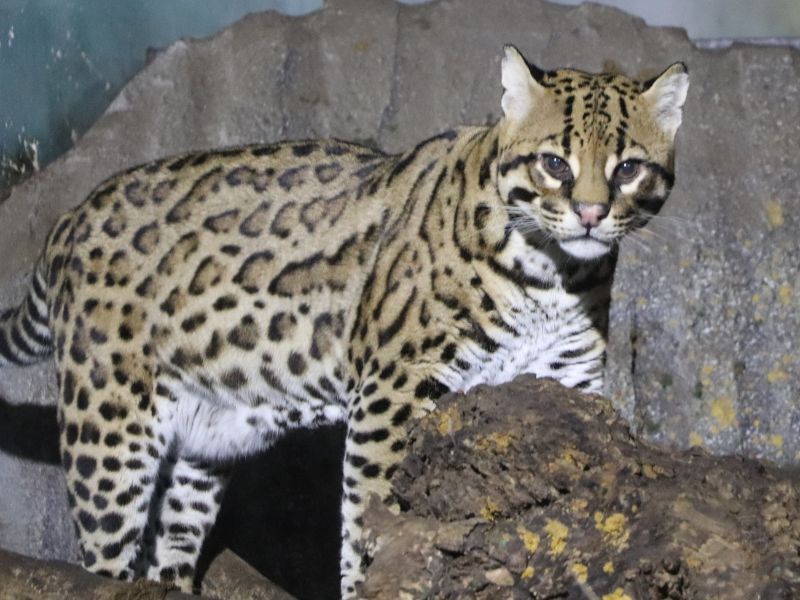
(522, 194)
(515, 162)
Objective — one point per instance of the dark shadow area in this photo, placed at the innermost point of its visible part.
(29, 431)
(281, 513)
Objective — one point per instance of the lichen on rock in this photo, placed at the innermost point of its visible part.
(578, 507)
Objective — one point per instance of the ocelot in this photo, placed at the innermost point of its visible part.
(200, 306)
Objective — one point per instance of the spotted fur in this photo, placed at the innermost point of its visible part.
(201, 306)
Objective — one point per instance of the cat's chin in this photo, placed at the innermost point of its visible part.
(585, 248)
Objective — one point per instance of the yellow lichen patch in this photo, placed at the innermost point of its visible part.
(656, 471)
(578, 504)
(777, 375)
(708, 370)
(490, 509)
(608, 568)
(617, 594)
(529, 539)
(494, 441)
(570, 460)
(449, 421)
(723, 411)
(527, 573)
(785, 294)
(695, 439)
(361, 46)
(557, 532)
(580, 571)
(613, 527)
(776, 440)
(694, 561)
(774, 212)
(649, 472)
(755, 298)
(575, 457)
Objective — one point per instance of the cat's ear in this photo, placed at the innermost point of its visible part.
(521, 84)
(666, 94)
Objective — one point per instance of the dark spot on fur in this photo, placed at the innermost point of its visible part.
(234, 379)
(297, 364)
(85, 465)
(111, 522)
(193, 322)
(87, 521)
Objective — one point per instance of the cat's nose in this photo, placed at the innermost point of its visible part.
(590, 214)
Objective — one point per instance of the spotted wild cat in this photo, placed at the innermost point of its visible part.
(201, 306)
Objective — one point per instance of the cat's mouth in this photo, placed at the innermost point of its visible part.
(586, 235)
(585, 246)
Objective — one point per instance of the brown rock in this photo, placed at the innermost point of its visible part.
(551, 496)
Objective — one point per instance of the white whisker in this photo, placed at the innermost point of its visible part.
(639, 242)
(665, 232)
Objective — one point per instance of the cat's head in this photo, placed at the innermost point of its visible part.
(583, 159)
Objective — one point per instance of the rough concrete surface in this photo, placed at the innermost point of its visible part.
(705, 324)
(23, 578)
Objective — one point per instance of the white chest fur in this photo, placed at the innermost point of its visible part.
(545, 329)
(549, 332)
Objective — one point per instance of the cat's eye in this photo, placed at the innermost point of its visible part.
(627, 171)
(556, 167)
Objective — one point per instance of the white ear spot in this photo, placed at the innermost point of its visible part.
(667, 93)
(518, 85)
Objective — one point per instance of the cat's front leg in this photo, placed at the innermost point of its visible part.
(375, 446)
(577, 361)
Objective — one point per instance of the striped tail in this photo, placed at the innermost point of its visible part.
(25, 336)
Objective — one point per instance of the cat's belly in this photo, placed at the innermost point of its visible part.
(215, 432)
(220, 425)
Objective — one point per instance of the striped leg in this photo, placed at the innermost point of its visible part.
(374, 447)
(189, 508)
(358, 487)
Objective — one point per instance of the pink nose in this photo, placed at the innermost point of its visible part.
(590, 214)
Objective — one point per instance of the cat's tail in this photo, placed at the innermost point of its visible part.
(25, 336)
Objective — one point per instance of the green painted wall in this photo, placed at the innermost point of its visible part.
(63, 61)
